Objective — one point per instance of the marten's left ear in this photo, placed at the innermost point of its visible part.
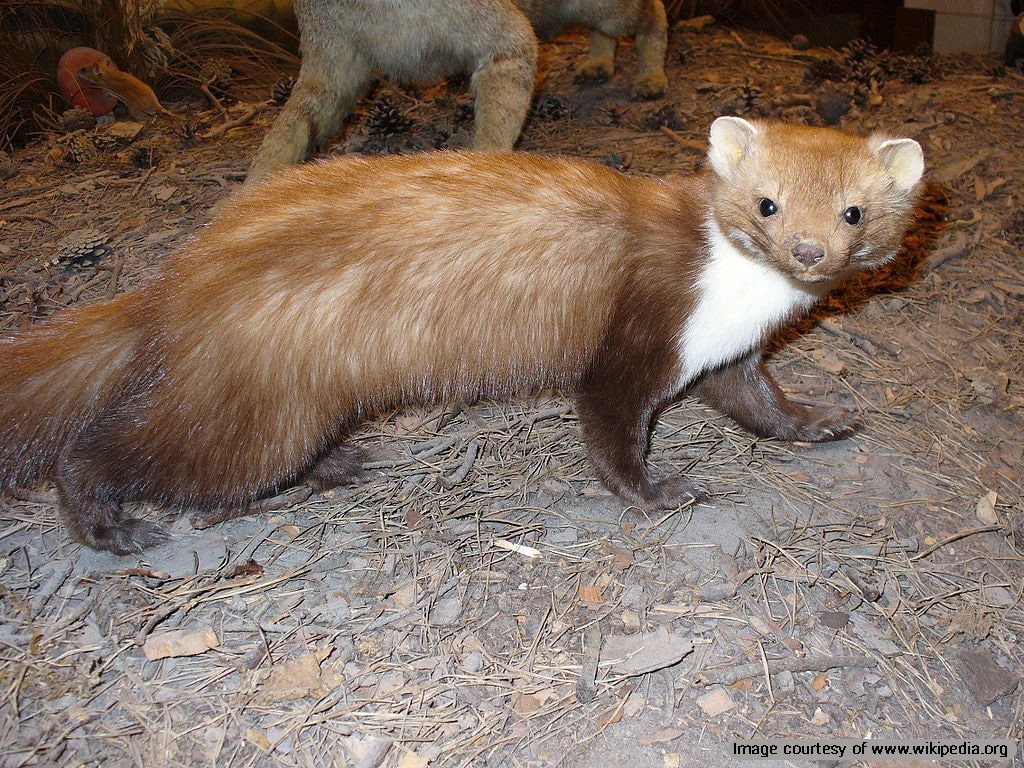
(730, 139)
(903, 160)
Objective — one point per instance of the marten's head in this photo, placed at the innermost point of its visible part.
(814, 203)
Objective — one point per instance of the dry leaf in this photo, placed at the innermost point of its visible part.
(257, 738)
(295, 679)
(590, 594)
(527, 703)
(828, 361)
(179, 642)
(671, 760)
(631, 620)
(819, 682)
(985, 509)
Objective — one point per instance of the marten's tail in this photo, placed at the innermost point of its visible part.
(54, 381)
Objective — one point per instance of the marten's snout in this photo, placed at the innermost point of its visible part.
(808, 252)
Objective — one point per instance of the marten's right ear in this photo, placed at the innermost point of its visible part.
(730, 138)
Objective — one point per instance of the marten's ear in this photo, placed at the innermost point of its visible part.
(730, 138)
(903, 160)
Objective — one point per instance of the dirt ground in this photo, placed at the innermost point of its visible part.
(450, 611)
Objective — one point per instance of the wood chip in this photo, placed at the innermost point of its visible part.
(631, 655)
(185, 642)
(717, 701)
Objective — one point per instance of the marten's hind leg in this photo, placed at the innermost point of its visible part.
(97, 521)
(341, 465)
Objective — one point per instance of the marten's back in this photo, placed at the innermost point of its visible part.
(338, 290)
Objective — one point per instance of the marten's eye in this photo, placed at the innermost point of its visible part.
(853, 215)
(767, 207)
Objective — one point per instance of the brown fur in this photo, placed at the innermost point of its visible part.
(342, 289)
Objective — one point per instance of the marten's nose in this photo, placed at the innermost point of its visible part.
(808, 253)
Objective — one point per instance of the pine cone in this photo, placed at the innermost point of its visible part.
(77, 119)
(76, 147)
(386, 118)
(550, 107)
(82, 248)
(215, 74)
(283, 89)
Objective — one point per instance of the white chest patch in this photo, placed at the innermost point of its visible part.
(740, 302)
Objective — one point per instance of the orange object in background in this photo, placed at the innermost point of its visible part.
(76, 89)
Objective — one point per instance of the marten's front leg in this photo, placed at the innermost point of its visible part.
(745, 391)
(617, 400)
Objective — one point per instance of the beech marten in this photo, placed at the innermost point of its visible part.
(337, 290)
(344, 42)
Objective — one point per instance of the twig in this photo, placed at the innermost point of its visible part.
(861, 340)
(955, 537)
(586, 687)
(456, 477)
(694, 146)
(954, 250)
(238, 122)
(730, 675)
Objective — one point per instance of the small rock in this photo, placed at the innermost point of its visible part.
(716, 701)
(473, 662)
(984, 677)
(446, 612)
(831, 106)
(985, 509)
(834, 619)
(800, 42)
(784, 682)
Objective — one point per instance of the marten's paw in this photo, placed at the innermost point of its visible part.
(822, 423)
(674, 492)
(650, 85)
(127, 537)
(342, 465)
(595, 71)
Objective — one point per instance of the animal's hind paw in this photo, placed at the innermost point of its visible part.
(675, 492)
(128, 537)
